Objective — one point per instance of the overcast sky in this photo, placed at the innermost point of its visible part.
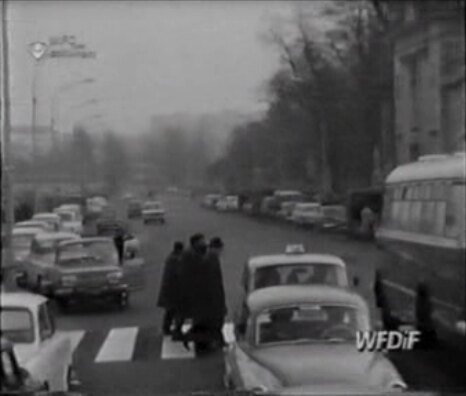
(153, 57)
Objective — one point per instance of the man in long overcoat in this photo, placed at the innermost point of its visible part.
(169, 295)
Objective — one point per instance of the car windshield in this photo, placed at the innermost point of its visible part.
(153, 205)
(88, 254)
(66, 216)
(300, 274)
(308, 323)
(44, 246)
(17, 325)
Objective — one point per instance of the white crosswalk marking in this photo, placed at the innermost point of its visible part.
(118, 346)
(75, 337)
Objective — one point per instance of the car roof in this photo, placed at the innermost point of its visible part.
(21, 299)
(44, 215)
(276, 296)
(45, 236)
(27, 230)
(289, 259)
(30, 222)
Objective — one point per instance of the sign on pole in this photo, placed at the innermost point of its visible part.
(67, 46)
(38, 49)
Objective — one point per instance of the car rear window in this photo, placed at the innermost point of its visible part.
(300, 274)
(308, 323)
(17, 325)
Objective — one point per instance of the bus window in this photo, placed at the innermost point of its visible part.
(415, 216)
(427, 216)
(455, 211)
(396, 215)
(439, 219)
(405, 211)
(417, 192)
(438, 191)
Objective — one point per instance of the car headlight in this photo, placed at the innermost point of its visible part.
(68, 280)
(115, 277)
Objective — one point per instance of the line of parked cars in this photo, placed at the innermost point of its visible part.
(296, 330)
(287, 205)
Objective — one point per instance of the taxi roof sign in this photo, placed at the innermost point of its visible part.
(295, 249)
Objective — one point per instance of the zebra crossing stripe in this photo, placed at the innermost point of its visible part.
(75, 337)
(118, 345)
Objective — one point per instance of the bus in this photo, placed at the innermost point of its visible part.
(422, 278)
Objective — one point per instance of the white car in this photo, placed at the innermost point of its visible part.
(21, 241)
(27, 322)
(308, 214)
(153, 211)
(210, 200)
(228, 203)
(299, 340)
(71, 220)
(51, 218)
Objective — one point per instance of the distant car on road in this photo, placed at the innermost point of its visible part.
(16, 380)
(51, 218)
(298, 340)
(71, 220)
(153, 211)
(27, 322)
(228, 203)
(308, 214)
(210, 200)
(134, 208)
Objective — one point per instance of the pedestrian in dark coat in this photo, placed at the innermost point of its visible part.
(216, 306)
(170, 289)
(119, 241)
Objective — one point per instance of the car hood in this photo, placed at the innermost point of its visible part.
(322, 364)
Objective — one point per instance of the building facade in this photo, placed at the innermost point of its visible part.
(429, 67)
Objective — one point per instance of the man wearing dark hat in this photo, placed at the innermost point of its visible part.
(169, 291)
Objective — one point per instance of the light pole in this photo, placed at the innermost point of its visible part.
(54, 113)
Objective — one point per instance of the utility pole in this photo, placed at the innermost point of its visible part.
(37, 50)
(7, 193)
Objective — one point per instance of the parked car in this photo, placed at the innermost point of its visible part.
(35, 224)
(134, 208)
(71, 220)
(302, 340)
(21, 241)
(107, 223)
(210, 200)
(153, 211)
(286, 210)
(89, 269)
(51, 218)
(72, 207)
(228, 203)
(308, 214)
(335, 217)
(27, 321)
(281, 196)
(35, 266)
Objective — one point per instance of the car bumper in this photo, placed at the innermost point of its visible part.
(90, 291)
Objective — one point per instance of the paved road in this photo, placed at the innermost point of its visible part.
(124, 353)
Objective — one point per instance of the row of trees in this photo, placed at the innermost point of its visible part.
(327, 126)
(83, 158)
